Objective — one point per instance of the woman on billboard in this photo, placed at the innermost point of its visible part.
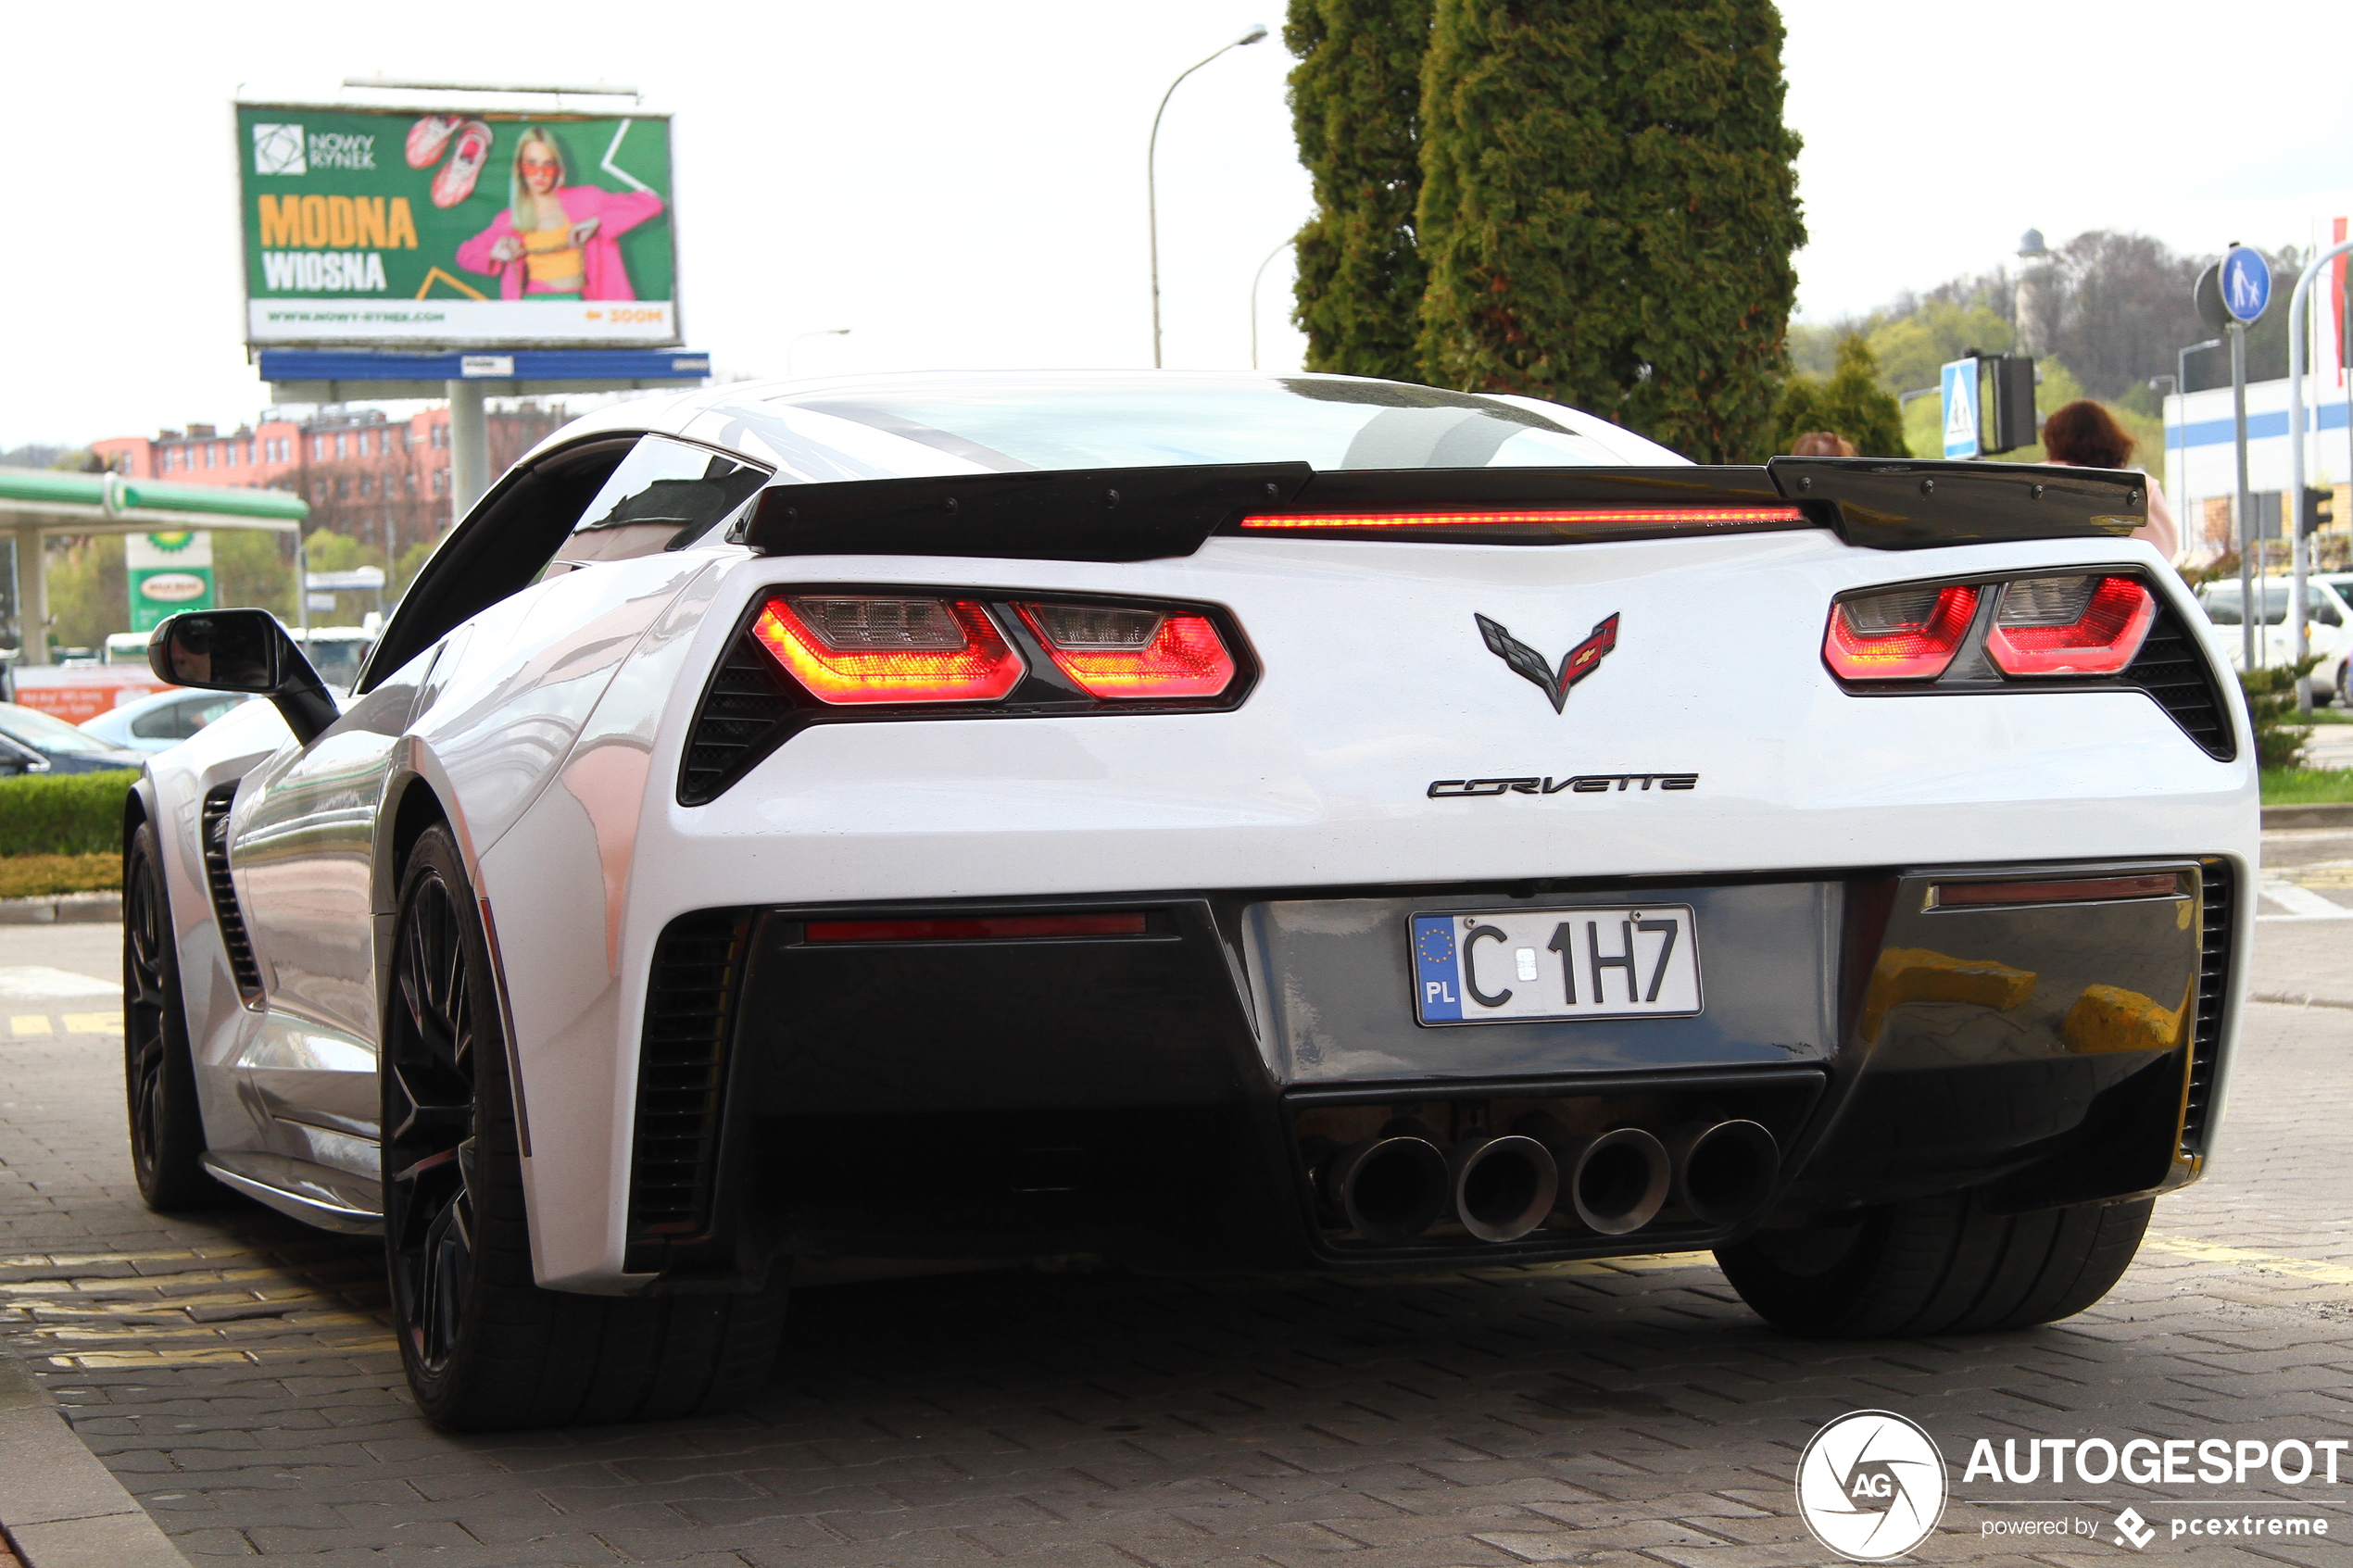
(554, 241)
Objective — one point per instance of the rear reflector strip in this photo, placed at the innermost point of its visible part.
(973, 928)
(1577, 518)
(2082, 890)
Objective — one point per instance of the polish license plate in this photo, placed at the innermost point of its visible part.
(1516, 966)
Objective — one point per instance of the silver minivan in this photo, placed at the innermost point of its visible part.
(2328, 628)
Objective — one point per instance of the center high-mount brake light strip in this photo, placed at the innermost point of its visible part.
(1553, 517)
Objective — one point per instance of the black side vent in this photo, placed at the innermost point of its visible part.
(2217, 903)
(682, 1075)
(225, 913)
(2171, 668)
(741, 720)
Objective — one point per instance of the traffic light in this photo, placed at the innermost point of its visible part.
(2315, 510)
(2011, 409)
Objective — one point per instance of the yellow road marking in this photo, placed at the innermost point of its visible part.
(94, 1023)
(2247, 1257)
(29, 1024)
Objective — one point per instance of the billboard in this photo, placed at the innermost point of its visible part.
(397, 229)
(167, 572)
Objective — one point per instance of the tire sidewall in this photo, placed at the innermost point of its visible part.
(441, 1392)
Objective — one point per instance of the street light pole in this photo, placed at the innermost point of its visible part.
(1253, 299)
(2298, 306)
(2181, 390)
(1151, 173)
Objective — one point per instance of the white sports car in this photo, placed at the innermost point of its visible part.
(1206, 821)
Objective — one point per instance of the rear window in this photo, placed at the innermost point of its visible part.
(1009, 424)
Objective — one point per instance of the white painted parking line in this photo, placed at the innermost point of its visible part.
(2301, 903)
(40, 982)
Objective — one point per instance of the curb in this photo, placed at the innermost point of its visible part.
(2334, 815)
(66, 908)
(61, 1507)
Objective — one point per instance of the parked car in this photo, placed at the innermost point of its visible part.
(996, 816)
(161, 722)
(2328, 628)
(60, 745)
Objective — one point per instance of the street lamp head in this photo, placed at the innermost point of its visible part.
(1257, 31)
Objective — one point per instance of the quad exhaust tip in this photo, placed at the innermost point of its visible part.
(1724, 1172)
(1502, 1187)
(1391, 1188)
(1619, 1180)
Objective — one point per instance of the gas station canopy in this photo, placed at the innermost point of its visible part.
(34, 502)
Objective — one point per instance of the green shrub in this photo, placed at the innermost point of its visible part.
(2271, 708)
(63, 813)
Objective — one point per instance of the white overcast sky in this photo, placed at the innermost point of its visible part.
(963, 184)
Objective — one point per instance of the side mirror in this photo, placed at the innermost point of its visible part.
(16, 761)
(242, 650)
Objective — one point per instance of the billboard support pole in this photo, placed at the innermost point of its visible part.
(2298, 306)
(469, 447)
(32, 596)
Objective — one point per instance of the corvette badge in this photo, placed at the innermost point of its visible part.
(1576, 664)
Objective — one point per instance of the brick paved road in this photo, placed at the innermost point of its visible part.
(235, 1373)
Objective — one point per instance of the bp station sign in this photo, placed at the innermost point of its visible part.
(169, 572)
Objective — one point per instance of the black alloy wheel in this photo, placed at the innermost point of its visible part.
(158, 1071)
(429, 1121)
(485, 1347)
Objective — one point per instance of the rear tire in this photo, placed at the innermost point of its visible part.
(1938, 1265)
(158, 1069)
(486, 1348)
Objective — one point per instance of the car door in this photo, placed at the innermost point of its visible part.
(303, 839)
(303, 832)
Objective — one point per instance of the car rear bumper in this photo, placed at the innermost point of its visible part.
(1185, 1095)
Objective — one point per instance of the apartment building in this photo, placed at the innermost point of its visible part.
(377, 479)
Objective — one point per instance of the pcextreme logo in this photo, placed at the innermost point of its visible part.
(1870, 1485)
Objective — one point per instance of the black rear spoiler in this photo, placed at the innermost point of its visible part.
(1148, 513)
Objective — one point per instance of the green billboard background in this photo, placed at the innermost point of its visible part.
(333, 213)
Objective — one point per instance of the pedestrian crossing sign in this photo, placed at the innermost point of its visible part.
(1960, 409)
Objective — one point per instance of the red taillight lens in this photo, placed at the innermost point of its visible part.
(1910, 634)
(2082, 625)
(851, 648)
(1130, 654)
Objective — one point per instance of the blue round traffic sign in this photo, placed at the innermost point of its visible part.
(2247, 283)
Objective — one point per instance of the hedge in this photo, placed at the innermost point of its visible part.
(63, 813)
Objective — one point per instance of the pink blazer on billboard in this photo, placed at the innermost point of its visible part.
(602, 275)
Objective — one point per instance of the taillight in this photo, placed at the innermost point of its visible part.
(851, 649)
(2078, 625)
(1907, 634)
(1114, 652)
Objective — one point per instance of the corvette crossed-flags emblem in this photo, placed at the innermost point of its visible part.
(1576, 664)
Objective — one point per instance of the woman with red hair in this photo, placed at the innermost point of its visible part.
(2084, 435)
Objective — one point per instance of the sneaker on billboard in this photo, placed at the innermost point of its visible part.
(429, 136)
(456, 180)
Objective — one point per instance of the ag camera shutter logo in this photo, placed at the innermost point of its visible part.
(1871, 1485)
(280, 149)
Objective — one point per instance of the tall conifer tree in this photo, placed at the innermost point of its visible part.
(1355, 101)
(1608, 209)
